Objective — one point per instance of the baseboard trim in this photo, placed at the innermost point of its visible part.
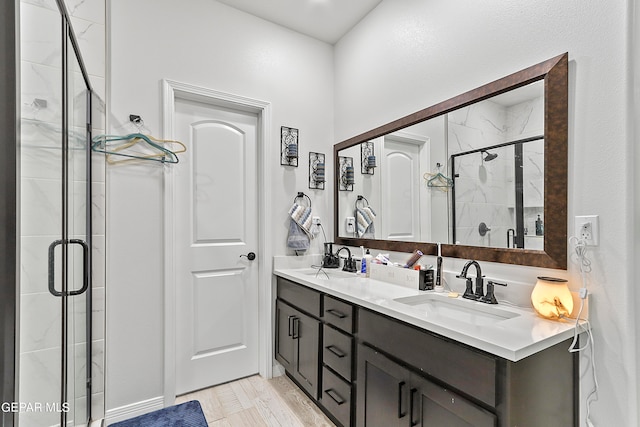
(277, 369)
(133, 410)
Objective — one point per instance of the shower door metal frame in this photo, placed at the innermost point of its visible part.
(454, 175)
(68, 36)
(9, 94)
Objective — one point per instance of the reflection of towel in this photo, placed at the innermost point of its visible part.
(302, 216)
(364, 219)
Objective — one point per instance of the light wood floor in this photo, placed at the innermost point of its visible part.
(254, 401)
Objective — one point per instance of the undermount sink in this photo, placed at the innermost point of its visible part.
(327, 273)
(457, 309)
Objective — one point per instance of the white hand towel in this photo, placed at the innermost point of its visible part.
(302, 216)
(364, 219)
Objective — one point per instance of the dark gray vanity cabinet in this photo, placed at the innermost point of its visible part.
(433, 405)
(366, 369)
(389, 394)
(314, 343)
(297, 344)
(433, 381)
(383, 390)
(337, 358)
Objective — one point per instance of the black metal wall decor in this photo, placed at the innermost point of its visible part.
(316, 171)
(345, 173)
(367, 158)
(289, 146)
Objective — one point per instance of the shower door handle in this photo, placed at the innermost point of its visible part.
(85, 267)
(52, 266)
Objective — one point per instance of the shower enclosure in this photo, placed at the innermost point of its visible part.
(498, 193)
(55, 321)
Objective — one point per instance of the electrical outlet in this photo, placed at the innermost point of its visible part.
(315, 220)
(587, 229)
(351, 224)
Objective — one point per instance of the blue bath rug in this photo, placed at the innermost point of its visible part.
(188, 414)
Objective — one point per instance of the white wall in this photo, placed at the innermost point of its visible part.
(204, 43)
(409, 54)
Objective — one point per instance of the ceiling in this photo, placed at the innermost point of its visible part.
(326, 20)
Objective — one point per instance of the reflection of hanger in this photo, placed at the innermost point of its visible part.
(438, 180)
(150, 148)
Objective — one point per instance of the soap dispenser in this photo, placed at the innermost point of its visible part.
(539, 227)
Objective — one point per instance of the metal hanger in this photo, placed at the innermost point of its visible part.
(438, 180)
(120, 145)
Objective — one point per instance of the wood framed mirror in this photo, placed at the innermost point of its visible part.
(552, 75)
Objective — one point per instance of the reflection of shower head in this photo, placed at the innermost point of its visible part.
(489, 156)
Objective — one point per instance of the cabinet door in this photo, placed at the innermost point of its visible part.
(306, 334)
(434, 406)
(285, 345)
(383, 391)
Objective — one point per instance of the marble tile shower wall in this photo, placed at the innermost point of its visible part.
(481, 193)
(40, 201)
(479, 189)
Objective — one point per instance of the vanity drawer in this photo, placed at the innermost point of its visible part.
(339, 313)
(338, 351)
(299, 296)
(336, 396)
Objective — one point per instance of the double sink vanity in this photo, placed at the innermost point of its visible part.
(372, 353)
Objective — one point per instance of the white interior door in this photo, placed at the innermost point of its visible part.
(401, 188)
(216, 219)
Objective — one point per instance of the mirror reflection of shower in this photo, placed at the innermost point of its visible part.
(488, 156)
(485, 230)
(502, 186)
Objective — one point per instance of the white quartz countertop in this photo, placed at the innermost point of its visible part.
(521, 333)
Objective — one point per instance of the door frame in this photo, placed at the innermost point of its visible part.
(171, 90)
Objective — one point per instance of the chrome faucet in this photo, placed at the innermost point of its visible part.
(349, 263)
(468, 293)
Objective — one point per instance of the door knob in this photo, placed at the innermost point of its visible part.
(250, 256)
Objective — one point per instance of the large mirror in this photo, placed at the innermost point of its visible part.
(483, 173)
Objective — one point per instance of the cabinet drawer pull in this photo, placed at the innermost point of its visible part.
(401, 385)
(412, 406)
(335, 396)
(335, 350)
(296, 328)
(337, 313)
(290, 318)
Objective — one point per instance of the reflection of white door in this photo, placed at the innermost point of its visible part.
(215, 223)
(401, 188)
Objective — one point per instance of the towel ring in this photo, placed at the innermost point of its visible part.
(301, 195)
(360, 199)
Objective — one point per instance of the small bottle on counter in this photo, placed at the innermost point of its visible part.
(366, 264)
(539, 227)
(417, 254)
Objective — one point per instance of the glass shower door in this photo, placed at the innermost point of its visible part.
(55, 285)
(79, 221)
(76, 300)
